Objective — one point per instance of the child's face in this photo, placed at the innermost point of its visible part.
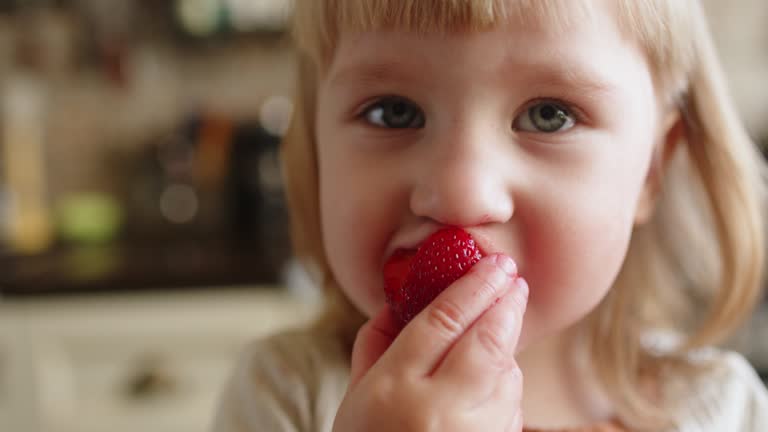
(539, 144)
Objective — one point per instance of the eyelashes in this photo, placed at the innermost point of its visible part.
(394, 112)
(547, 116)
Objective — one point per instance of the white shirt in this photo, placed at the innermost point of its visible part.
(295, 381)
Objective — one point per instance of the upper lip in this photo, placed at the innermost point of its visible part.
(486, 245)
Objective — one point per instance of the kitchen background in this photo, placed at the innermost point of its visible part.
(143, 233)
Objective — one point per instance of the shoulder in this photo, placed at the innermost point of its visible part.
(291, 381)
(295, 352)
(724, 394)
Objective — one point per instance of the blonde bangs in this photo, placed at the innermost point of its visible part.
(318, 25)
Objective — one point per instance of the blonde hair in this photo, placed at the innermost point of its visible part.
(705, 240)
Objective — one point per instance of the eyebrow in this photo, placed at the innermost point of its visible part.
(562, 75)
(543, 75)
(375, 72)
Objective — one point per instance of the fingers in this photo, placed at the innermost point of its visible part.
(373, 339)
(463, 342)
(426, 340)
(488, 347)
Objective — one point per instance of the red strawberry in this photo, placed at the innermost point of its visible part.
(413, 279)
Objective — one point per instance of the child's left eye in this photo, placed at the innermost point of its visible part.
(394, 113)
(546, 117)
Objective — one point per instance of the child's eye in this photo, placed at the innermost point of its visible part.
(395, 113)
(547, 117)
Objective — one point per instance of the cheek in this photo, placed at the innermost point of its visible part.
(573, 264)
(575, 245)
(353, 229)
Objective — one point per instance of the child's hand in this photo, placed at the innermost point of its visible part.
(451, 369)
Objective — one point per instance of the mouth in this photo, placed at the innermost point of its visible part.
(408, 247)
(413, 277)
(397, 267)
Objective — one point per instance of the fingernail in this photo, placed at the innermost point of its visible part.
(507, 264)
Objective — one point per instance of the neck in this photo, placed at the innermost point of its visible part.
(560, 389)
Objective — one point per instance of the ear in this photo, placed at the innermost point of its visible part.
(673, 131)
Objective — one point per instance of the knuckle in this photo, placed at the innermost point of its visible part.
(515, 374)
(495, 346)
(489, 281)
(519, 302)
(447, 317)
(382, 390)
(421, 420)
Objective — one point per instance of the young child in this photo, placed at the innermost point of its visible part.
(593, 143)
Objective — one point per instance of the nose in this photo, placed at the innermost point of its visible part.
(463, 185)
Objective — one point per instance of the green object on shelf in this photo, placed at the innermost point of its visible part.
(89, 218)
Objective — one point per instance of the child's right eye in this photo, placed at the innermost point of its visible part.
(394, 113)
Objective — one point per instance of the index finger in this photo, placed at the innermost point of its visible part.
(427, 338)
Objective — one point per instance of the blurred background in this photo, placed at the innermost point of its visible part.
(143, 231)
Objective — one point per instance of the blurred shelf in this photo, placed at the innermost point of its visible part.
(152, 362)
(123, 268)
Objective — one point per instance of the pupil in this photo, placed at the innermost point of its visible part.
(399, 109)
(548, 112)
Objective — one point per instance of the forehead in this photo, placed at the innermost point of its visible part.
(589, 52)
(665, 29)
(528, 28)
(336, 18)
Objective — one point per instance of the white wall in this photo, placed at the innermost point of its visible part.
(740, 29)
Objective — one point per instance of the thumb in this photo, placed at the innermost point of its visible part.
(373, 339)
